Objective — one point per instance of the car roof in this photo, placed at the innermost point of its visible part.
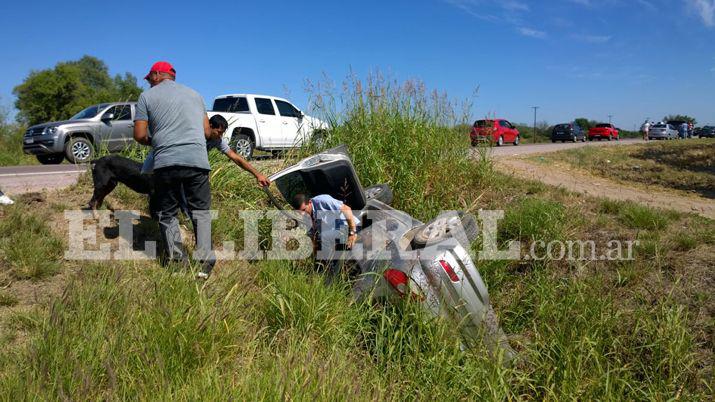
(252, 95)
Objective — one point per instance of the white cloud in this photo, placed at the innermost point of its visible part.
(499, 11)
(706, 10)
(593, 38)
(532, 33)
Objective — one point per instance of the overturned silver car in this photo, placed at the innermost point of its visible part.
(396, 255)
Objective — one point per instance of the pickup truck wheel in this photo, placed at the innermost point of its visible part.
(445, 226)
(50, 159)
(380, 192)
(242, 145)
(79, 150)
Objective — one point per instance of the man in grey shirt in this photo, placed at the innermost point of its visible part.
(176, 117)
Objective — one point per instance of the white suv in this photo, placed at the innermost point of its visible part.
(264, 122)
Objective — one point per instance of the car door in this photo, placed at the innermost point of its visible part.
(507, 131)
(117, 127)
(291, 123)
(269, 124)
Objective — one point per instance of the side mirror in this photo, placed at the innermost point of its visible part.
(300, 115)
(108, 116)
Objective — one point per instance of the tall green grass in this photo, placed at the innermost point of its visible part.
(405, 135)
(273, 330)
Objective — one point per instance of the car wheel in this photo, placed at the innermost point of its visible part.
(445, 226)
(380, 192)
(79, 150)
(500, 141)
(610, 138)
(516, 140)
(574, 139)
(583, 139)
(50, 159)
(242, 145)
(554, 141)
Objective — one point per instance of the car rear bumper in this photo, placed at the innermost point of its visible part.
(563, 137)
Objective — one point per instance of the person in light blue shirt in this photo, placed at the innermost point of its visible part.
(683, 130)
(330, 218)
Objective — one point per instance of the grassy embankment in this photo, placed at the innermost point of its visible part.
(685, 166)
(637, 329)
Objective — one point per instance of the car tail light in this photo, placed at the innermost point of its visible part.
(398, 280)
(449, 270)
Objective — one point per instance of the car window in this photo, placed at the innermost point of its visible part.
(231, 104)
(505, 124)
(285, 109)
(603, 125)
(265, 106)
(562, 127)
(121, 112)
(483, 123)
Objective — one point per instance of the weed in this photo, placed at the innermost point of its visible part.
(7, 299)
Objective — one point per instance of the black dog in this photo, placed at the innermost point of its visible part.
(110, 170)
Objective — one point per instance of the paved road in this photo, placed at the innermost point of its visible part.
(23, 179)
(526, 149)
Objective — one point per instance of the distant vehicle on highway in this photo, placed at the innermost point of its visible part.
(568, 132)
(106, 125)
(264, 122)
(705, 132)
(496, 131)
(662, 131)
(603, 131)
(681, 126)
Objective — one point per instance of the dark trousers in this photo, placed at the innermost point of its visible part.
(171, 185)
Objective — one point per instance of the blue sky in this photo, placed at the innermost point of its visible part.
(629, 58)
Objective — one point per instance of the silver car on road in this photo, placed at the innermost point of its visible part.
(662, 131)
(398, 256)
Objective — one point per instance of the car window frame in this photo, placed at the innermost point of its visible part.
(270, 102)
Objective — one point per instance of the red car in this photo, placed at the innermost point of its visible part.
(497, 131)
(603, 131)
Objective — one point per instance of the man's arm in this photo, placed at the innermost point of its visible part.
(207, 127)
(243, 164)
(141, 134)
(350, 218)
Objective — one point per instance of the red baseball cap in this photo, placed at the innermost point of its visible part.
(162, 67)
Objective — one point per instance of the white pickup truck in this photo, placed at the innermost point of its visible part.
(264, 122)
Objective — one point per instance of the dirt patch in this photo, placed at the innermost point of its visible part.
(580, 181)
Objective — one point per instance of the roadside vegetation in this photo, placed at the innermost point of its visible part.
(685, 166)
(591, 330)
(11, 143)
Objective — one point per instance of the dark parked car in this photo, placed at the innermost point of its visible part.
(568, 132)
(705, 132)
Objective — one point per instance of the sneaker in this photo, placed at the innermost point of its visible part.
(5, 200)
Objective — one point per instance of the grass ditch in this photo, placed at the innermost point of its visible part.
(684, 166)
(632, 330)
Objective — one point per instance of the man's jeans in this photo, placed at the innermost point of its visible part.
(171, 185)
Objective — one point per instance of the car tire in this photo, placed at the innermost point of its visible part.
(79, 150)
(574, 139)
(55, 159)
(583, 139)
(242, 145)
(517, 140)
(380, 192)
(610, 138)
(500, 141)
(554, 141)
(442, 228)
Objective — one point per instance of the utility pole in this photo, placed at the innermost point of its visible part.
(535, 109)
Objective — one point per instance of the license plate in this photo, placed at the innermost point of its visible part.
(29, 140)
